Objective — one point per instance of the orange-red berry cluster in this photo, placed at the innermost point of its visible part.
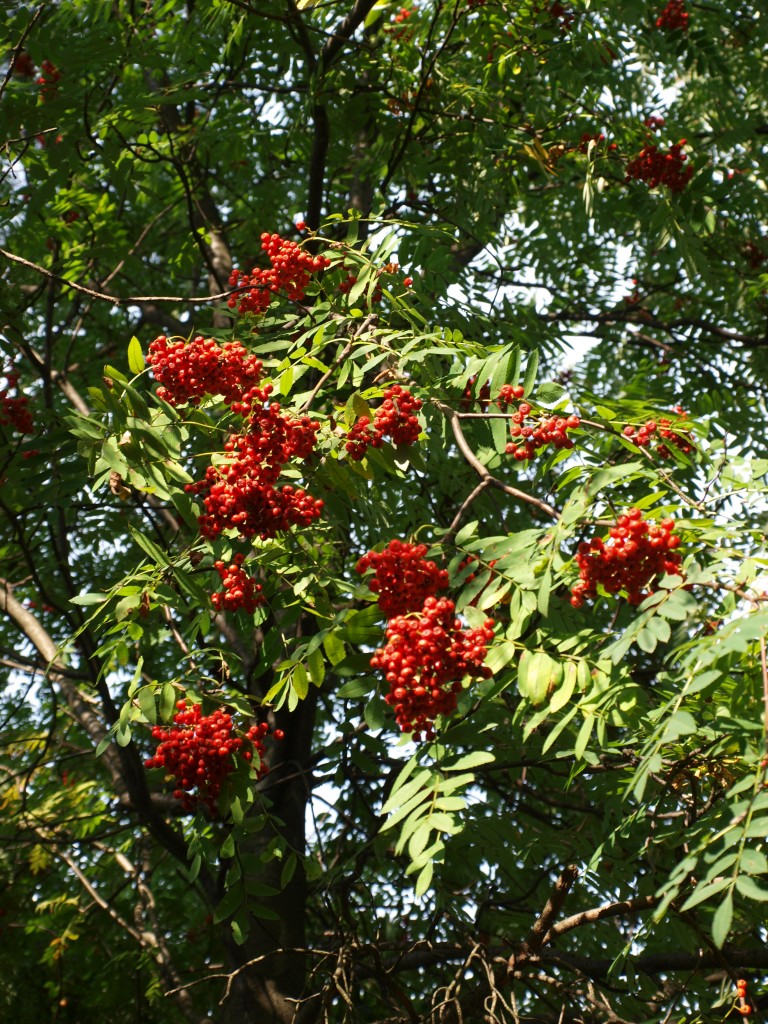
(679, 439)
(395, 418)
(14, 409)
(655, 167)
(743, 1002)
(198, 752)
(240, 590)
(241, 493)
(673, 16)
(634, 553)
(425, 660)
(529, 438)
(47, 80)
(290, 273)
(187, 371)
(403, 578)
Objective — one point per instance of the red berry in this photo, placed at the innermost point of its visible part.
(425, 660)
(395, 418)
(403, 577)
(633, 555)
(202, 746)
(291, 270)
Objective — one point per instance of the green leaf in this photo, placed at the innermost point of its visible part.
(468, 761)
(123, 734)
(316, 666)
(748, 887)
(300, 681)
(86, 600)
(355, 688)
(376, 713)
(148, 546)
(681, 723)
(704, 890)
(466, 533)
(229, 904)
(147, 703)
(563, 693)
(239, 926)
(531, 369)
(549, 394)
(424, 880)
(721, 923)
(754, 861)
(289, 869)
(585, 732)
(402, 789)
(538, 675)
(334, 648)
(103, 744)
(168, 698)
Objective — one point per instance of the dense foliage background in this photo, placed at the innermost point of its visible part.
(494, 195)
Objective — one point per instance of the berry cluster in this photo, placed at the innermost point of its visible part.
(240, 591)
(403, 578)
(425, 660)
(633, 554)
(673, 16)
(14, 409)
(530, 438)
(395, 418)
(360, 437)
(483, 395)
(241, 493)
(187, 371)
(47, 80)
(24, 66)
(197, 751)
(586, 138)
(657, 168)
(402, 16)
(679, 439)
(290, 272)
(743, 1002)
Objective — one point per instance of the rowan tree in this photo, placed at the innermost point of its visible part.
(383, 511)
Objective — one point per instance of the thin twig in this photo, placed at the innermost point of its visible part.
(483, 471)
(20, 46)
(448, 536)
(130, 300)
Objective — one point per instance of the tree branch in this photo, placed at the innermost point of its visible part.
(483, 472)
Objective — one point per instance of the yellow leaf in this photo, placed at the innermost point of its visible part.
(39, 859)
